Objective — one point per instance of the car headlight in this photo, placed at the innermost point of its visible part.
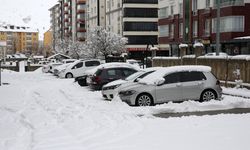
(127, 93)
(111, 87)
(63, 70)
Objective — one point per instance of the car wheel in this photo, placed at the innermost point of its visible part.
(208, 95)
(69, 75)
(82, 82)
(144, 100)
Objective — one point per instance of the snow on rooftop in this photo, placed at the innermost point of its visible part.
(111, 65)
(198, 44)
(242, 38)
(183, 45)
(12, 28)
(160, 73)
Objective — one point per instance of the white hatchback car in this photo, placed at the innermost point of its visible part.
(78, 68)
(110, 90)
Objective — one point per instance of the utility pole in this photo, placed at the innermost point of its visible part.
(218, 28)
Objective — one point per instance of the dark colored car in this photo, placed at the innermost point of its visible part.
(105, 75)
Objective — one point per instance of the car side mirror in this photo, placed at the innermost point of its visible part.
(159, 82)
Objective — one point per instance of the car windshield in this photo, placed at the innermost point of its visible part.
(134, 76)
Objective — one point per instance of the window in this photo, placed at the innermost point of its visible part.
(171, 31)
(172, 78)
(114, 72)
(163, 12)
(79, 65)
(141, 1)
(181, 9)
(230, 24)
(181, 30)
(192, 76)
(141, 12)
(141, 40)
(92, 63)
(140, 26)
(225, 3)
(127, 72)
(195, 5)
(207, 3)
(164, 31)
(195, 28)
(172, 10)
(207, 27)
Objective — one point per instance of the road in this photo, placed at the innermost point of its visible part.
(203, 113)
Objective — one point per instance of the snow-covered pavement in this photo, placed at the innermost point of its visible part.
(41, 112)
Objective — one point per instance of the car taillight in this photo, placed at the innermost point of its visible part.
(217, 82)
(96, 79)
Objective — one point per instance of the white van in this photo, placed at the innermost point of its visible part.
(78, 68)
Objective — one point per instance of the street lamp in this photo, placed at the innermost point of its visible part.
(218, 28)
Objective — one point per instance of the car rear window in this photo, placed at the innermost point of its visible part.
(92, 63)
(192, 76)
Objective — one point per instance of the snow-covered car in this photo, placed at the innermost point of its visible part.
(59, 68)
(109, 72)
(133, 62)
(66, 61)
(49, 67)
(110, 90)
(78, 68)
(177, 83)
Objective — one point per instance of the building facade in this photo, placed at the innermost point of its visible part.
(48, 43)
(20, 39)
(68, 20)
(188, 21)
(135, 19)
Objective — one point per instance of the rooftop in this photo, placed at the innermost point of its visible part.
(13, 28)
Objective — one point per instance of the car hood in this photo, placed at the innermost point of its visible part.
(131, 86)
(116, 82)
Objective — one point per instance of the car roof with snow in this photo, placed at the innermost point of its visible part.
(159, 73)
(111, 65)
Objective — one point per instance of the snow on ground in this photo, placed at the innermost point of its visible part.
(41, 112)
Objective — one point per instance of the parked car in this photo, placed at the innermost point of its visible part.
(110, 90)
(66, 61)
(78, 68)
(49, 67)
(109, 72)
(176, 83)
(133, 62)
(58, 69)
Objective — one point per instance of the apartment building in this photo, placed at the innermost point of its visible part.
(188, 21)
(47, 42)
(69, 20)
(19, 39)
(135, 19)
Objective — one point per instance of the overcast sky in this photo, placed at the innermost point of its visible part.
(32, 13)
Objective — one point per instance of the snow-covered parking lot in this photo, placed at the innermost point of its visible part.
(41, 112)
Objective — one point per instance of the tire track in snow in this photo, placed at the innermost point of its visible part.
(24, 122)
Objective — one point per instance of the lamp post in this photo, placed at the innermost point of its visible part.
(218, 28)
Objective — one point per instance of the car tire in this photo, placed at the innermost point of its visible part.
(144, 100)
(208, 95)
(69, 75)
(82, 82)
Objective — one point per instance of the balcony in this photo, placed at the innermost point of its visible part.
(66, 20)
(82, 11)
(81, 1)
(81, 21)
(65, 4)
(81, 30)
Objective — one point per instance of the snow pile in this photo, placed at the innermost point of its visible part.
(198, 44)
(55, 114)
(160, 73)
(183, 45)
(236, 91)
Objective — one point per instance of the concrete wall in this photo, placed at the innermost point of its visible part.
(222, 68)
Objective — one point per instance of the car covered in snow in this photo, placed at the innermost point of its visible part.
(78, 68)
(110, 90)
(177, 83)
(50, 67)
(109, 72)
